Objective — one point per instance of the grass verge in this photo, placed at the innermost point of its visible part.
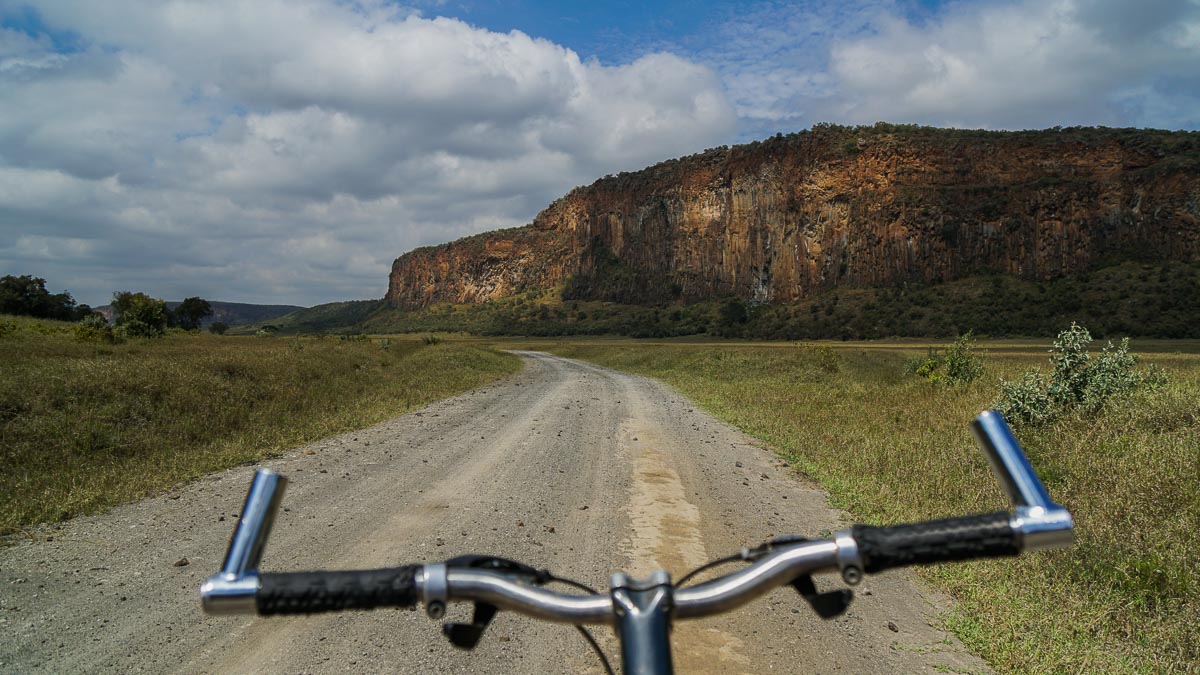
(893, 448)
(85, 425)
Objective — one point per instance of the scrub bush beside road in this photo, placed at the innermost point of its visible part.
(959, 365)
(1078, 382)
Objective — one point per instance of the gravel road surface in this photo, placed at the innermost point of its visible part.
(567, 466)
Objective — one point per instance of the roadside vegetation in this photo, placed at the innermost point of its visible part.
(891, 448)
(86, 422)
(959, 365)
(1079, 383)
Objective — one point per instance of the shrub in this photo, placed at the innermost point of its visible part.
(7, 327)
(137, 328)
(1027, 400)
(960, 365)
(139, 315)
(218, 327)
(431, 339)
(94, 328)
(1078, 381)
(963, 365)
(827, 359)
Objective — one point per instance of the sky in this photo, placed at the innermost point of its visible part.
(288, 151)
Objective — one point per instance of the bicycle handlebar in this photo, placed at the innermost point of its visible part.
(1035, 523)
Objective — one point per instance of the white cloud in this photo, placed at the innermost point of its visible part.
(288, 151)
(995, 64)
(1031, 64)
(773, 57)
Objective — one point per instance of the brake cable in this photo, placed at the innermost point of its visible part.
(587, 635)
(466, 636)
(827, 605)
(745, 555)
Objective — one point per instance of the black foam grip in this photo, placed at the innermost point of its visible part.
(983, 536)
(312, 592)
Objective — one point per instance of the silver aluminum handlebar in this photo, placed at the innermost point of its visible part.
(1037, 521)
(232, 590)
(704, 599)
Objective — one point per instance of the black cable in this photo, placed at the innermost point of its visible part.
(599, 652)
(746, 554)
(572, 582)
(583, 631)
(708, 565)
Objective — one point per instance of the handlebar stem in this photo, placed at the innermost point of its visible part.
(643, 615)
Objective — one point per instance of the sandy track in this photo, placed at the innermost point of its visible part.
(629, 475)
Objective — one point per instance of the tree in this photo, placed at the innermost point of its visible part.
(140, 315)
(191, 311)
(218, 327)
(27, 295)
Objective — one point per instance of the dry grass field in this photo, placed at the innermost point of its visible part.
(84, 425)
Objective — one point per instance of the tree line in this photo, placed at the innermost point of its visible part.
(135, 314)
(27, 296)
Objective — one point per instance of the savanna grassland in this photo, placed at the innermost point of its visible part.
(892, 447)
(85, 425)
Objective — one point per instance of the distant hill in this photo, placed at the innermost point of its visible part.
(333, 317)
(232, 313)
(240, 313)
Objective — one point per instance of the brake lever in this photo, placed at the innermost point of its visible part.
(467, 635)
(827, 605)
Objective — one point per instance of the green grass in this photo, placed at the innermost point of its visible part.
(84, 426)
(893, 448)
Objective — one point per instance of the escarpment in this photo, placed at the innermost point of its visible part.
(786, 218)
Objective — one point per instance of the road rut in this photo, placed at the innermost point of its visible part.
(567, 466)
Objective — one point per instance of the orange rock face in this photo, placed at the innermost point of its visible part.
(780, 220)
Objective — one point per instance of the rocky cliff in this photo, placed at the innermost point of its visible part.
(783, 219)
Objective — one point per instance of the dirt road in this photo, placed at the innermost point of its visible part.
(567, 466)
